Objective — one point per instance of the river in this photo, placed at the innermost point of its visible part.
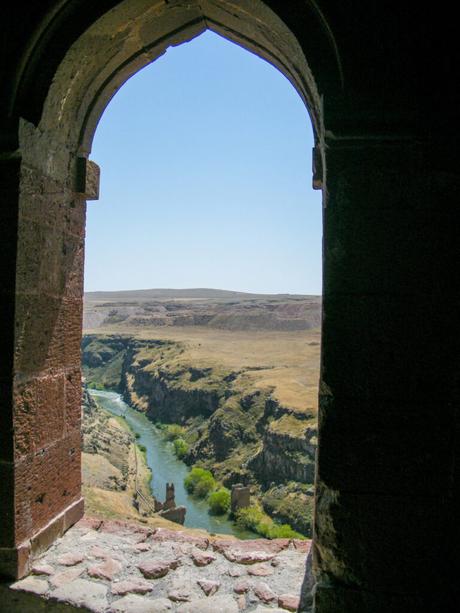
(166, 467)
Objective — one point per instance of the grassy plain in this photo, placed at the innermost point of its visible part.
(286, 361)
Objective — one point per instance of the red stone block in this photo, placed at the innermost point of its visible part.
(47, 483)
(39, 412)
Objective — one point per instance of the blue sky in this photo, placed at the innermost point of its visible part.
(205, 162)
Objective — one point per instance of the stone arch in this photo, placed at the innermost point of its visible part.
(386, 482)
(54, 181)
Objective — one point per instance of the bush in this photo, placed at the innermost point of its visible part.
(249, 518)
(142, 448)
(253, 518)
(199, 482)
(219, 501)
(204, 486)
(137, 435)
(173, 431)
(180, 448)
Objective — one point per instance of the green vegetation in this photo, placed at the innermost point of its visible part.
(219, 501)
(173, 431)
(180, 448)
(199, 482)
(291, 503)
(253, 518)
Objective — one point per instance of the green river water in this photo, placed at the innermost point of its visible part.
(166, 467)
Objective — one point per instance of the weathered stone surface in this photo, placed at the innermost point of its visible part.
(32, 585)
(202, 559)
(71, 559)
(213, 604)
(180, 594)
(154, 569)
(290, 602)
(42, 569)
(163, 534)
(209, 587)
(83, 593)
(261, 609)
(106, 570)
(99, 552)
(242, 586)
(65, 576)
(92, 523)
(261, 570)
(241, 602)
(250, 551)
(303, 546)
(247, 557)
(269, 546)
(264, 593)
(138, 604)
(141, 547)
(133, 585)
(184, 581)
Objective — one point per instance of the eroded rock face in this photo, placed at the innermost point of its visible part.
(108, 445)
(287, 453)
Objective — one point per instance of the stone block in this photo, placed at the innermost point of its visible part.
(73, 513)
(138, 604)
(385, 446)
(50, 333)
(373, 348)
(39, 412)
(32, 585)
(47, 483)
(338, 598)
(82, 593)
(7, 538)
(385, 540)
(223, 604)
(50, 203)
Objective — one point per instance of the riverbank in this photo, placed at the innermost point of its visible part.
(165, 467)
(113, 468)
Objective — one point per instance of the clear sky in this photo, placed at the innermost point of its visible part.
(205, 162)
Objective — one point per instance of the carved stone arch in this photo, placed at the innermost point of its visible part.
(54, 182)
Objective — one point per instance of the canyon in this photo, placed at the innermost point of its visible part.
(241, 389)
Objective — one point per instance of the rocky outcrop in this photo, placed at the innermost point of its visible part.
(102, 360)
(166, 395)
(113, 446)
(284, 457)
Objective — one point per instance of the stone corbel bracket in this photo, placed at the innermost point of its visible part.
(87, 178)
